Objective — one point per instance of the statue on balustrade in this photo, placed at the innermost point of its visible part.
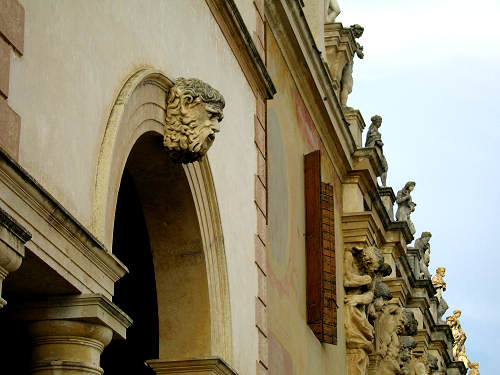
(374, 139)
(406, 205)
(332, 10)
(360, 268)
(459, 337)
(346, 82)
(474, 369)
(438, 281)
(424, 248)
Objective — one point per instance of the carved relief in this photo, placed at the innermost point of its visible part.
(406, 205)
(388, 326)
(194, 110)
(374, 139)
(360, 267)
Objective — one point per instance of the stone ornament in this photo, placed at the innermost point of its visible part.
(406, 205)
(423, 246)
(459, 337)
(438, 282)
(474, 369)
(387, 327)
(360, 268)
(374, 139)
(194, 110)
(332, 10)
(346, 82)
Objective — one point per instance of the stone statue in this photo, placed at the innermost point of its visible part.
(441, 309)
(424, 248)
(432, 362)
(194, 110)
(360, 267)
(332, 10)
(346, 82)
(474, 369)
(438, 281)
(374, 139)
(459, 337)
(407, 343)
(406, 205)
(388, 326)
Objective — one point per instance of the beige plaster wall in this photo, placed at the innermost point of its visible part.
(291, 133)
(77, 56)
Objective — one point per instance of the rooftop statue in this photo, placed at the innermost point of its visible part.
(360, 268)
(459, 337)
(332, 10)
(422, 244)
(374, 139)
(194, 110)
(438, 281)
(406, 205)
(474, 369)
(346, 82)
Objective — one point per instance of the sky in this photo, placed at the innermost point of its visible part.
(432, 71)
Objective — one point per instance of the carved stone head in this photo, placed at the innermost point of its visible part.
(371, 259)
(194, 110)
(409, 186)
(376, 120)
(357, 30)
(410, 323)
(441, 271)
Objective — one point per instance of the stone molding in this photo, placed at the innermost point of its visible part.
(34, 208)
(291, 30)
(239, 39)
(91, 308)
(203, 366)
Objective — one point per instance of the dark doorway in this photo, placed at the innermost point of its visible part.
(135, 293)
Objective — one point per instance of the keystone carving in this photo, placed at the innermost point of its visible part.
(194, 110)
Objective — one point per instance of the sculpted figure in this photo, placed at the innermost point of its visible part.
(422, 244)
(360, 266)
(194, 110)
(474, 369)
(459, 337)
(388, 326)
(332, 10)
(432, 363)
(374, 139)
(406, 205)
(346, 82)
(407, 343)
(438, 281)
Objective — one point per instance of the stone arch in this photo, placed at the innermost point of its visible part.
(139, 111)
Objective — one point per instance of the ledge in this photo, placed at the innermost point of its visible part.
(14, 227)
(208, 366)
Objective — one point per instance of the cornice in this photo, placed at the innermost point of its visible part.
(14, 227)
(23, 184)
(239, 39)
(288, 24)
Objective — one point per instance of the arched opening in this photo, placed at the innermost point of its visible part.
(157, 235)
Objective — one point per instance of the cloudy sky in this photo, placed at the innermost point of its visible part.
(432, 71)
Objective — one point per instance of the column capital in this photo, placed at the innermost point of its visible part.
(12, 239)
(91, 308)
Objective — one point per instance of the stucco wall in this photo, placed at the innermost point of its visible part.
(291, 133)
(78, 55)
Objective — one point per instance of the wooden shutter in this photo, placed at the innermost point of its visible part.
(320, 252)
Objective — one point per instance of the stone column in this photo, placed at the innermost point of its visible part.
(67, 347)
(69, 333)
(12, 239)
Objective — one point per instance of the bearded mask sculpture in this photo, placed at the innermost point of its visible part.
(194, 110)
